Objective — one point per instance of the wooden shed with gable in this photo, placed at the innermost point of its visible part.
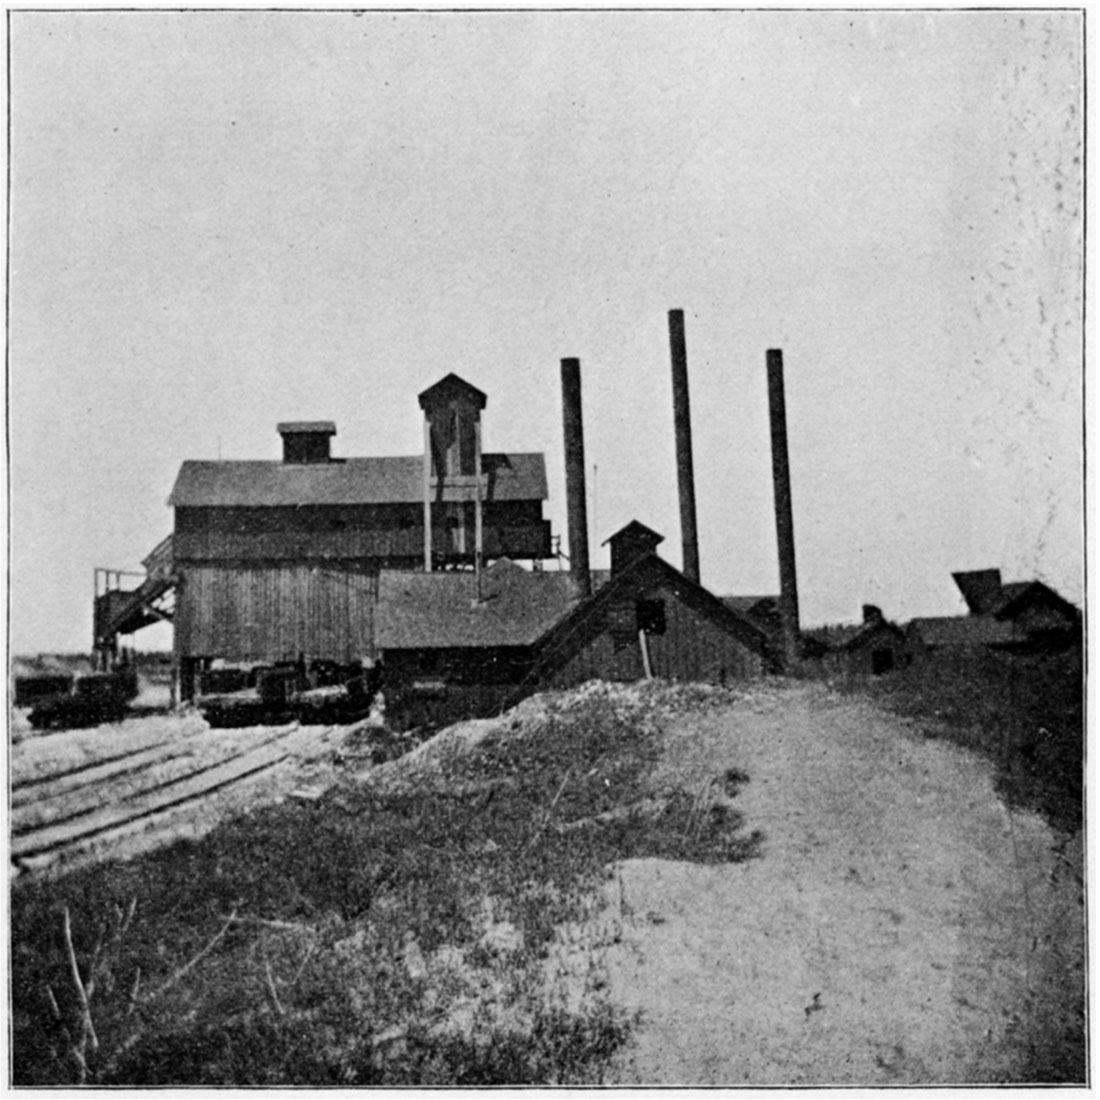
(871, 648)
(649, 619)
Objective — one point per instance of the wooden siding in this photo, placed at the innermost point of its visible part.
(381, 545)
(692, 648)
(306, 518)
(275, 613)
(318, 518)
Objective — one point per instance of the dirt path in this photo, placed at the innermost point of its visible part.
(900, 927)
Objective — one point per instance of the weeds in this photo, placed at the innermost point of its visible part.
(1024, 712)
(367, 938)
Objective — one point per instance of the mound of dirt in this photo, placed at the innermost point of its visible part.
(901, 927)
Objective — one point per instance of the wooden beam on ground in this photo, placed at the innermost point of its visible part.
(188, 789)
(68, 802)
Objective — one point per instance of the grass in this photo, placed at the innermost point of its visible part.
(1024, 712)
(367, 938)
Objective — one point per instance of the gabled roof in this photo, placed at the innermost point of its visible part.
(449, 389)
(1019, 595)
(586, 619)
(398, 480)
(745, 603)
(965, 630)
(635, 531)
(863, 634)
(510, 607)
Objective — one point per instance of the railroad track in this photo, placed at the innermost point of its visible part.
(64, 813)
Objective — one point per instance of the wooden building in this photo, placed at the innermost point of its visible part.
(277, 561)
(870, 648)
(463, 629)
(330, 564)
(1020, 617)
(649, 619)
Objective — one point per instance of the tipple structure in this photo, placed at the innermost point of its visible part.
(294, 575)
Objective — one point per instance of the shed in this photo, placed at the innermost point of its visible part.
(1018, 616)
(873, 647)
(650, 613)
(465, 629)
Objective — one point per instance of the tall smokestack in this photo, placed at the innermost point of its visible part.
(685, 472)
(576, 505)
(784, 519)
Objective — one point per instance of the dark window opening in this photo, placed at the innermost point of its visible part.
(882, 660)
(650, 616)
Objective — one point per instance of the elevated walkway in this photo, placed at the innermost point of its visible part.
(123, 607)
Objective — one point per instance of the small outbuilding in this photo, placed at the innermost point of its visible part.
(649, 620)
(871, 648)
(1020, 617)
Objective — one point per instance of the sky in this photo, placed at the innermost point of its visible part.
(222, 220)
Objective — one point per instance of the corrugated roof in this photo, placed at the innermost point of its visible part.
(444, 611)
(398, 480)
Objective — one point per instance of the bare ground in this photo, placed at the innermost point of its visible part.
(901, 927)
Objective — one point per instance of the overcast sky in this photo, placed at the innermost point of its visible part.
(224, 220)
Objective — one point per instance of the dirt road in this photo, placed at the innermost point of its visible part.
(901, 927)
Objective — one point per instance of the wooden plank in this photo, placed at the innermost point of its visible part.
(195, 785)
(60, 772)
(84, 799)
(148, 830)
(58, 784)
(190, 818)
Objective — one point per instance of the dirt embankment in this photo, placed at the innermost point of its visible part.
(901, 927)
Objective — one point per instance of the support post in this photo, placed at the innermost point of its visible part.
(479, 547)
(427, 496)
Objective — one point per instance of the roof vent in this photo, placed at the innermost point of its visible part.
(630, 543)
(306, 441)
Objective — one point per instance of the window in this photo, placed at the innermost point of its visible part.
(649, 616)
(882, 660)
